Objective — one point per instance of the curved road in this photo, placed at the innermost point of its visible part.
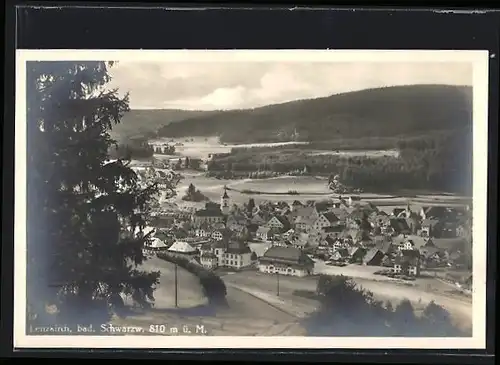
(247, 315)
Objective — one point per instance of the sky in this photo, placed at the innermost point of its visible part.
(241, 85)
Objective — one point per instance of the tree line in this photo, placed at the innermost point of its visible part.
(440, 162)
(349, 310)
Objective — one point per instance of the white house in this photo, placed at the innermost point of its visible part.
(286, 261)
(263, 233)
(209, 260)
(225, 253)
(304, 224)
(406, 245)
(202, 233)
(277, 223)
(325, 220)
(237, 255)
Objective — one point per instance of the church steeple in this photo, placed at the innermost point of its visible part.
(408, 209)
(225, 202)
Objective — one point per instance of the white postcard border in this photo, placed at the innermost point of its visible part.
(479, 60)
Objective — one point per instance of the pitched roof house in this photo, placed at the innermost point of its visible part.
(373, 257)
(286, 261)
(279, 223)
(400, 226)
(181, 247)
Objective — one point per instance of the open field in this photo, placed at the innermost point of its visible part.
(355, 153)
(314, 189)
(201, 147)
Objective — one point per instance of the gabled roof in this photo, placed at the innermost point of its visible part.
(238, 248)
(304, 220)
(370, 255)
(384, 246)
(263, 229)
(335, 229)
(399, 225)
(304, 212)
(329, 240)
(342, 251)
(435, 212)
(208, 213)
(354, 249)
(397, 211)
(330, 217)
(297, 203)
(182, 247)
(291, 254)
(283, 220)
(429, 251)
(157, 243)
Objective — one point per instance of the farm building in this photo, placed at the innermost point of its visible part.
(286, 261)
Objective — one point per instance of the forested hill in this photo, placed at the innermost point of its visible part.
(146, 122)
(384, 112)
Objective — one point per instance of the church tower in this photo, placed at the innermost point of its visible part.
(225, 202)
(408, 210)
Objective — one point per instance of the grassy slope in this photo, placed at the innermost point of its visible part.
(138, 123)
(384, 112)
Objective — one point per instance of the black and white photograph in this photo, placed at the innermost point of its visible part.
(320, 199)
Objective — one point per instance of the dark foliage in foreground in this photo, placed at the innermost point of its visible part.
(213, 286)
(78, 250)
(347, 310)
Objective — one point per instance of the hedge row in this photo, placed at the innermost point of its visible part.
(213, 286)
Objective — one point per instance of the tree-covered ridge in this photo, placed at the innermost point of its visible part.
(146, 122)
(79, 204)
(390, 111)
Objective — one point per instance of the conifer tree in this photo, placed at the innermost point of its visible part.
(83, 210)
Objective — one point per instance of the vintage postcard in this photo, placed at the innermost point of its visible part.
(251, 199)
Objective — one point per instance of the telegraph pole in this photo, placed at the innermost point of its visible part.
(277, 283)
(175, 278)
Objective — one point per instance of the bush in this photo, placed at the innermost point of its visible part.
(348, 310)
(213, 286)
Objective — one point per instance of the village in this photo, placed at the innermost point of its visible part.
(308, 238)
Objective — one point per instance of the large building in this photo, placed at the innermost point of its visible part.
(286, 261)
(207, 217)
(226, 253)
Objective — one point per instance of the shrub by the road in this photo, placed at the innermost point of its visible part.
(348, 310)
(213, 286)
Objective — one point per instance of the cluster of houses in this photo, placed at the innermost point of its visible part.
(344, 231)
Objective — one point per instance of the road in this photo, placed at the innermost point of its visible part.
(267, 285)
(246, 315)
